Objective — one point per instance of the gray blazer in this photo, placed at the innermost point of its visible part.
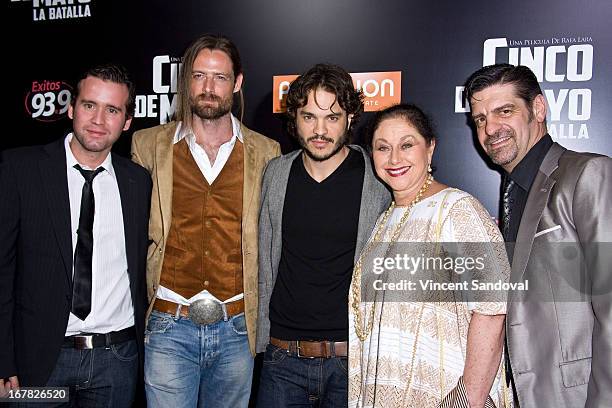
(375, 198)
(559, 341)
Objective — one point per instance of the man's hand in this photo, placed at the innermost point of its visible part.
(7, 385)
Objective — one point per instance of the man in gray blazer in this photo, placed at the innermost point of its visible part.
(319, 205)
(556, 209)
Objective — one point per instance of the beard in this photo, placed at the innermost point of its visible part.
(316, 156)
(504, 155)
(201, 107)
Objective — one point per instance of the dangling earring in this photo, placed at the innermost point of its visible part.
(429, 168)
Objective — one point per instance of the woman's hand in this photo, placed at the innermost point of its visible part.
(485, 343)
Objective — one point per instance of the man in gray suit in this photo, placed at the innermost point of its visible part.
(556, 209)
(319, 205)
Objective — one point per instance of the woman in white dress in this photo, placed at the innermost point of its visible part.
(410, 347)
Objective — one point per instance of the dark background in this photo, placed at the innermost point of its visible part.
(435, 44)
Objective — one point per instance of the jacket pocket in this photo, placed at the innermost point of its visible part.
(576, 372)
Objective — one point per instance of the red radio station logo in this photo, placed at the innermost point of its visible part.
(48, 101)
(381, 89)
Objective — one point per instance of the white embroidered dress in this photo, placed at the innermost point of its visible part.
(416, 351)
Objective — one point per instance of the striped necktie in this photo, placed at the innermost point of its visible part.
(507, 202)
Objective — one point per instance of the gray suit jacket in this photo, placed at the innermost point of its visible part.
(559, 339)
(375, 198)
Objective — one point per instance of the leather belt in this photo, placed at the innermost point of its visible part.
(312, 349)
(94, 340)
(211, 312)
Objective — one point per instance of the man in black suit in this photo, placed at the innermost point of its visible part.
(72, 280)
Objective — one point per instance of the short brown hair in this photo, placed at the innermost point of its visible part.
(113, 73)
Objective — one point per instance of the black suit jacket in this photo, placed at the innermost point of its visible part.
(36, 255)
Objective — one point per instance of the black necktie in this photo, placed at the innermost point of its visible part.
(507, 202)
(81, 286)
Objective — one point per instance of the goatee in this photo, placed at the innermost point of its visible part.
(504, 155)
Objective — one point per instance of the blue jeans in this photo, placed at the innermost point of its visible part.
(191, 365)
(290, 381)
(99, 377)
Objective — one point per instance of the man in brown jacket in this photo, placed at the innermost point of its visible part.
(202, 261)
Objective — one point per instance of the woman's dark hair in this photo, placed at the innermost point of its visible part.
(410, 113)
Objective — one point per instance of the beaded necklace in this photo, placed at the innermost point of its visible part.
(363, 329)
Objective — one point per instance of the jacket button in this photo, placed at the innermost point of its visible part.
(206, 283)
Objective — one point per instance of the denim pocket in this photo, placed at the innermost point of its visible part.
(126, 351)
(239, 324)
(274, 355)
(159, 323)
(342, 363)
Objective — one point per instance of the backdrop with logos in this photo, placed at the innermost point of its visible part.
(409, 51)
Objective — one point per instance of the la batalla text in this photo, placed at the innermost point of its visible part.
(60, 9)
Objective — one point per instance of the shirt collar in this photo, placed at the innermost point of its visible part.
(71, 160)
(526, 170)
(185, 132)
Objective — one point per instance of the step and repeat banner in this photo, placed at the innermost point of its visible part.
(397, 51)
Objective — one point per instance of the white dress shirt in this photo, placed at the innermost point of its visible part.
(111, 300)
(210, 173)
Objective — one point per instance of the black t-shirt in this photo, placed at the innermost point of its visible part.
(320, 222)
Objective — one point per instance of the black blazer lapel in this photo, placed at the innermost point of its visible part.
(127, 192)
(55, 189)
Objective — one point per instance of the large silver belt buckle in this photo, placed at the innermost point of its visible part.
(205, 311)
(83, 342)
